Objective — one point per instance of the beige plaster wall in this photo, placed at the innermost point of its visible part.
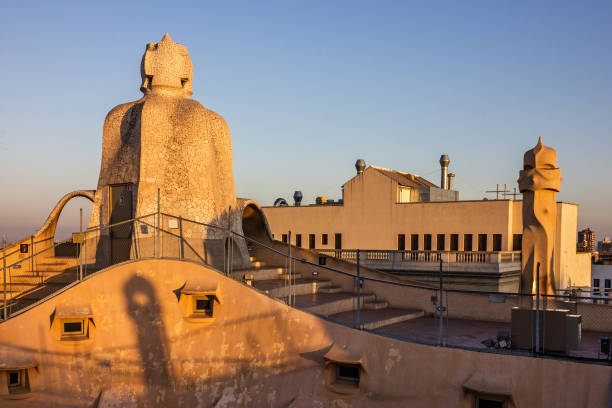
(571, 268)
(371, 218)
(256, 352)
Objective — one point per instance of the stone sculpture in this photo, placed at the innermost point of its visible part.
(539, 182)
(169, 143)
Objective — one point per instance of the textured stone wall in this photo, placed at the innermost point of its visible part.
(169, 143)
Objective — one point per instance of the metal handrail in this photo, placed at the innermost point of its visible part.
(269, 246)
(177, 236)
(304, 261)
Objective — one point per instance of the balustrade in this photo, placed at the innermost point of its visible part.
(451, 257)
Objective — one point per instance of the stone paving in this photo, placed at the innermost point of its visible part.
(470, 333)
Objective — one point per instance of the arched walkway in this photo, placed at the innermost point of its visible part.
(254, 223)
(48, 229)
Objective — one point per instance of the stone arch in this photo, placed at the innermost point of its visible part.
(253, 222)
(48, 229)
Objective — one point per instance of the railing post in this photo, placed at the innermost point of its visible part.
(158, 232)
(441, 308)
(32, 254)
(289, 263)
(537, 339)
(358, 293)
(4, 271)
(80, 244)
(181, 248)
(229, 241)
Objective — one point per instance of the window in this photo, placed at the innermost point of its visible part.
(348, 373)
(197, 304)
(284, 238)
(454, 242)
(74, 329)
(311, 241)
(497, 242)
(17, 381)
(338, 241)
(323, 239)
(427, 242)
(596, 283)
(482, 242)
(517, 242)
(401, 242)
(403, 194)
(14, 378)
(440, 246)
(607, 283)
(467, 242)
(414, 242)
(298, 240)
(203, 305)
(481, 401)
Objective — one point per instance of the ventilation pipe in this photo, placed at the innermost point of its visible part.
(360, 166)
(297, 198)
(444, 162)
(451, 176)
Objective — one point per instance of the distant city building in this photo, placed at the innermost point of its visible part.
(605, 245)
(389, 210)
(586, 241)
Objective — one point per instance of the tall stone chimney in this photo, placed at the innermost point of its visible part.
(444, 162)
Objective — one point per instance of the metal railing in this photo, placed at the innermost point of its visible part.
(436, 315)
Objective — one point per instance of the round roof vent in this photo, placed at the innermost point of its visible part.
(360, 165)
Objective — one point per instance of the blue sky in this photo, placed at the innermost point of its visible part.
(309, 87)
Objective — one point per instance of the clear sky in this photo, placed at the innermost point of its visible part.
(309, 87)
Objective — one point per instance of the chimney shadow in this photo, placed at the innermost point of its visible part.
(144, 310)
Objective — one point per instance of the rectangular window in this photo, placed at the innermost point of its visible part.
(427, 242)
(311, 241)
(481, 401)
(467, 242)
(454, 242)
(284, 238)
(401, 242)
(403, 194)
(17, 381)
(323, 239)
(607, 283)
(482, 242)
(497, 242)
(338, 241)
(348, 373)
(298, 240)
(14, 378)
(73, 327)
(440, 246)
(414, 242)
(596, 283)
(517, 242)
(203, 305)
